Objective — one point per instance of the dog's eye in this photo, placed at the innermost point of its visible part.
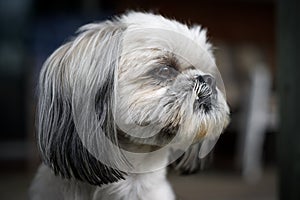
(165, 72)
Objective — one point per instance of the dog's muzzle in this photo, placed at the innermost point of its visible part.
(206, 92)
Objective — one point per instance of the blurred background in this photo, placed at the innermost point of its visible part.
(257, 54)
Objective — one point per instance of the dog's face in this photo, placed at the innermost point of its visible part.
(142, 80)
(172, 90)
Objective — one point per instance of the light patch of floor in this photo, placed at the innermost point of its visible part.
(224, 186)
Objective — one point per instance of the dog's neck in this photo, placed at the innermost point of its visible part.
(148, 186)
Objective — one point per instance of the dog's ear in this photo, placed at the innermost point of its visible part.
(77, 102)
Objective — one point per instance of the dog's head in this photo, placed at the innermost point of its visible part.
(120, 87)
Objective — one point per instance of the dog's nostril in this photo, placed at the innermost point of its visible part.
(210, 81)
(200, 79)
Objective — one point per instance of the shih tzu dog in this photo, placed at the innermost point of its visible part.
(121, 101)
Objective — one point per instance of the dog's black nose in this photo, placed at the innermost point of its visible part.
(209, 80)
(206, 91)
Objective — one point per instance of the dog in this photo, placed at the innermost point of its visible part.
(122, 100)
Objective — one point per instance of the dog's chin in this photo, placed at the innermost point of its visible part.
(148, 144)
(204, 109)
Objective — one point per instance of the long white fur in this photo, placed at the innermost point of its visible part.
(121, 52)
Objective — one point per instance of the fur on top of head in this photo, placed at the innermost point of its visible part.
(140, 79)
